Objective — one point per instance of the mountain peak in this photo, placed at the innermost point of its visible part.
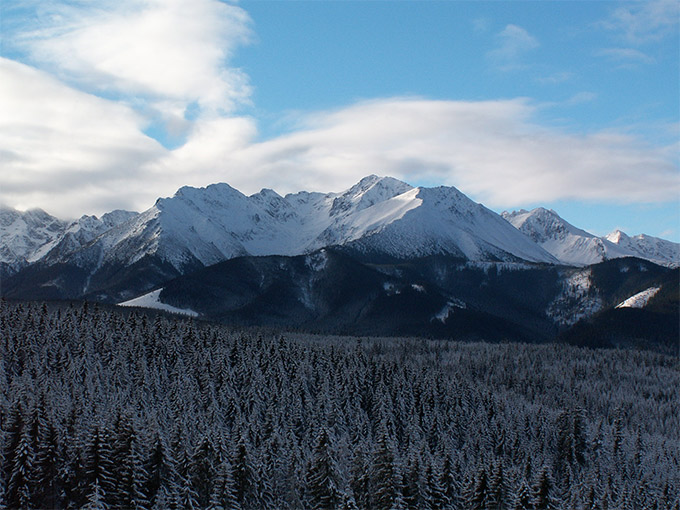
(617, 236)
(368, 192)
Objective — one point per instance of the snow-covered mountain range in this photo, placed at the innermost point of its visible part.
(378, 218)
(31, 236)
(216, 223)
(576, 247)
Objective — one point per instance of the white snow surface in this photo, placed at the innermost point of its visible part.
(34, 235)
(209, 225)
(448, 309)
(660, 251)
(577, 299)
(152, 300)
(378, 214)
(24, 236)
(640, 299)
(575, 247)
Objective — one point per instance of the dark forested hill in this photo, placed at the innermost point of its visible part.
(439, 296)
(109, 408)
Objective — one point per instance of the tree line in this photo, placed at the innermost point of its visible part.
(107, 409)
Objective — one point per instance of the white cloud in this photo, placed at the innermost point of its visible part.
(71, 152)
(90, 156)
(490, 149)
(556, 78)
(514, 42)
(645, 21)
(169, 52)
(67, 150)
(625, 56)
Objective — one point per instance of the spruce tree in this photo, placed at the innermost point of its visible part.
(435, 492)
(523, 498)
(96, 499)
(383, 484)
(323, 478)
(48, 465)
(498, 488)
(159, 470)
(359, 476)
(242, 474)
(477, 493)
(129, 470)
(203, 471)
(543, 491)
(21, 483)
(98, 464)
(223, 497)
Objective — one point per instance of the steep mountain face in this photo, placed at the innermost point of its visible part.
(378, 215)
(83, 230)
(436, 296)
(200, 227)
(31, 236)
(576, 247)
(26, 237)
(442, 221)
(647, 247)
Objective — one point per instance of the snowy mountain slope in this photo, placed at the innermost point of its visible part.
(443, 220)
(573, 246)
(205, 226)
(640, 299)
(659, 251)
(125, 254)
(83, 230)
(152, 300)
(26, 236)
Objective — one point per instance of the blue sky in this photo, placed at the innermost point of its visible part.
(569, 105)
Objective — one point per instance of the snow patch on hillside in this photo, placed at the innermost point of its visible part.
(577, 300)
(448, 309)
(152, 300)
(317, 261)
(640, 299)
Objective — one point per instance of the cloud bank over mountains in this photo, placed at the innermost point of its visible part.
(86, 122)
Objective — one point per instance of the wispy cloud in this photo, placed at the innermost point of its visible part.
(556, 78)
(513, 43)
(627, 57)
(167, 53)
(114, 67)
(87, 153)
(582, 97)
(61, 145)
(494, 150)
(645, 21)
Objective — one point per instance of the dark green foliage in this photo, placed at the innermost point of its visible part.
(477, 494)
(543, 491)
(383, 479)
(323, 478)
(117, 409)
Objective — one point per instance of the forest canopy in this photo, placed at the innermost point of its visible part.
(102, 408)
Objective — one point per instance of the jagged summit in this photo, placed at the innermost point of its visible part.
(652, 248)
(376, 217)
(574, 246)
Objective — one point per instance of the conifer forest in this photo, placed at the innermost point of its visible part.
(102, 408)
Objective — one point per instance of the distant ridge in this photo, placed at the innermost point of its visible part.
(573, 246)
(124, 254)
